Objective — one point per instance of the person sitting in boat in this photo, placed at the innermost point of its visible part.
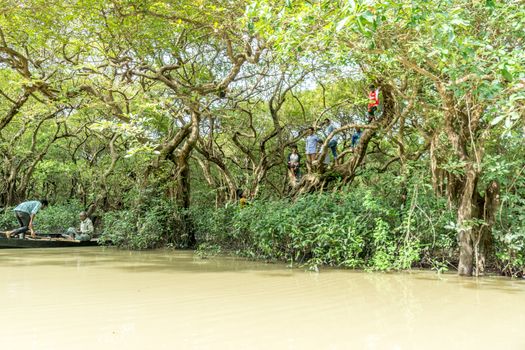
(86, 231)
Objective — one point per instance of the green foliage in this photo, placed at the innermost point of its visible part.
(97, 97)
(127, 230)
(509, 230)
(438, 266)
(7, 219)
(145, 226)
(205, 250)
(358, 229)
(57, 218)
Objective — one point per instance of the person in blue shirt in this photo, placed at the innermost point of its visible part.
(332, 144)
(312, 142)
(355, 138)
(25, 214)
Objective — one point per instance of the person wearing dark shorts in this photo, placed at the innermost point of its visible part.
(355, 138)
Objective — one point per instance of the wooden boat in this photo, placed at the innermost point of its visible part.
(44, 242)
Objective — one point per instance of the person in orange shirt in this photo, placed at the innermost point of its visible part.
(373, 101)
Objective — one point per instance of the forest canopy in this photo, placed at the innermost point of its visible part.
(156, 115)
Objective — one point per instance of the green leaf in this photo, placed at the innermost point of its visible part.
(506, 74)
(368, 16)
(342, 23)
(498, 119)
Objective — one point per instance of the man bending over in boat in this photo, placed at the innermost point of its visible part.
(25, 214)
(86, 229)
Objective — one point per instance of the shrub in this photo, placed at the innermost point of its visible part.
(144, 227)
(351, 229)
(7, 219)
(509, 233)
(57, 218)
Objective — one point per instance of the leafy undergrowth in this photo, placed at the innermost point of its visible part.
(336, 229)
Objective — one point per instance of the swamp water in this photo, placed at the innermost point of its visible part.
(97, 298)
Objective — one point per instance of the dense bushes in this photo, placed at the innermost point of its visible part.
(352, 228)
(361, 229)
(509, 230)
(7, 219)
(135, 230)
(150, 224)
(347, 229)
(57, 218)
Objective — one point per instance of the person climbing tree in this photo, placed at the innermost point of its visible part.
(332, 144)
(355, 138)
(312, 142)
(294, 159)
(373, 101)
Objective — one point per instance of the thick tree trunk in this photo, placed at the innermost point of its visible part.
(466, 251)
(183, 187)
(183, 192)
(15, 193)
(490, 205)
(437, 174)
(465, 211)
(183, 196)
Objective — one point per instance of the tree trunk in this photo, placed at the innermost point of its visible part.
(465, 212)
(488, 214)
(437, 174)
(183, 187)
(14, 193)
(183, 196)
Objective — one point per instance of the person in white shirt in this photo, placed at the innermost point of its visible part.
(87, 230)
(294, 159)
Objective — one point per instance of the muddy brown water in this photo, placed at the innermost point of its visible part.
(99, 298)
